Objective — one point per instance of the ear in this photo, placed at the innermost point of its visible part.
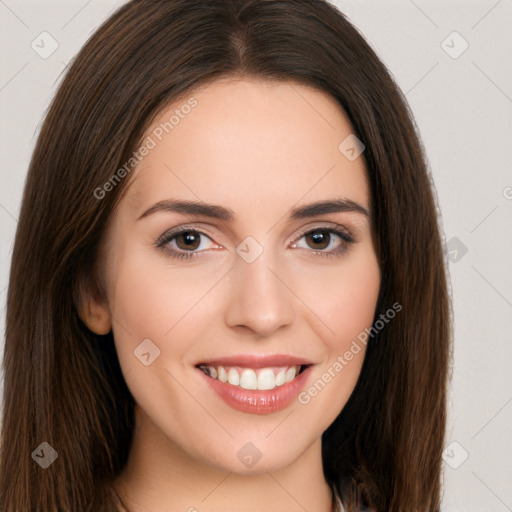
(93, 308)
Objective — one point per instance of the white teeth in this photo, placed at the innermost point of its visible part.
(233, 377)
(266, 379)
(281, 378)
(248, 380)
(262, 379)
(290, 375)
(222, 375)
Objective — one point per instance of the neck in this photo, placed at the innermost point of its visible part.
(161, 476)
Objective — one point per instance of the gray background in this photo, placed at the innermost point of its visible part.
(462, 102)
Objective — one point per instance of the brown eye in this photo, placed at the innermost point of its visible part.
(190, 239)
(320, 239)
(324, 241)
(184, 243)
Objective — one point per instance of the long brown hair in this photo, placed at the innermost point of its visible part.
(63, 384)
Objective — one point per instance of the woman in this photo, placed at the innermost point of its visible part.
(228, 288)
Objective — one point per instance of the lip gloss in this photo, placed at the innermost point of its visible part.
(256, 401)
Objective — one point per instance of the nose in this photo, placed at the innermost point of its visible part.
(260, 300)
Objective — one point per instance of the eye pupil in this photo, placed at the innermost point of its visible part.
(190, 238)
(320, 237)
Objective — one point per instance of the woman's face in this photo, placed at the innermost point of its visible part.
(257, 284)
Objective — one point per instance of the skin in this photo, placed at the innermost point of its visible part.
(260, 149)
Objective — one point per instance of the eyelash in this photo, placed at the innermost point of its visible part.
(167, 237)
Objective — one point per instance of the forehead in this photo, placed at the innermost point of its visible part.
(248, 144)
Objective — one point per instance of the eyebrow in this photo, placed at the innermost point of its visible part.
(213, 211)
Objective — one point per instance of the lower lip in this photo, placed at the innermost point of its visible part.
(255, 401)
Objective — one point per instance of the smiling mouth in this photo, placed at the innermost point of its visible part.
(262, 379)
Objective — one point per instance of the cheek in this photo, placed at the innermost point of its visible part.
(343, 297)
(346, 306)
(152, 301)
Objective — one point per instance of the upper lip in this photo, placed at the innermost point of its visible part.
(256, 361)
